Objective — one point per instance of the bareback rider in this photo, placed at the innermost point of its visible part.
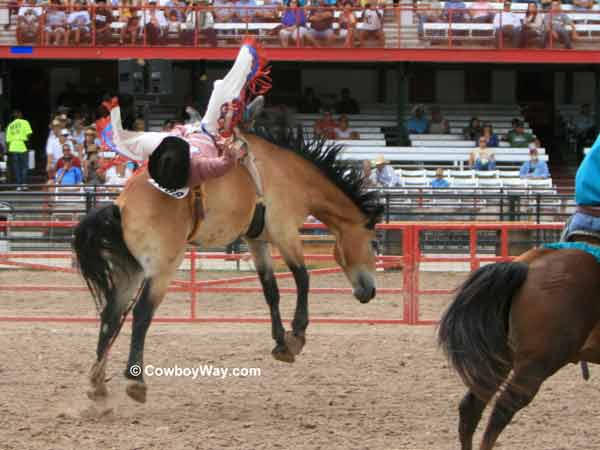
(587, 194)
(191, 154)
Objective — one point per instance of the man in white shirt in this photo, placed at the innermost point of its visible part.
(28, 22)
(343, 131)
(507, 24)
(155, 23)
(79, 22)
(371, 26)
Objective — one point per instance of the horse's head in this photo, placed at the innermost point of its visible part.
(354, 251)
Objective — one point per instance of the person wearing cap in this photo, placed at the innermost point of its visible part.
(417, 123)
(534, 168)
(17, 135)
(384, 173)
(68, 173)
(519, 137)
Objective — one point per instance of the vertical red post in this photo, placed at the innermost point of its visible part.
(473, 247)
(407, 282)
(504, 243)
(193, 286)
(415, 294)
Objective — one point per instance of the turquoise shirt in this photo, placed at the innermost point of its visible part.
(587, 180)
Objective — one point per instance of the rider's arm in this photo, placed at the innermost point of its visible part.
(202, 169)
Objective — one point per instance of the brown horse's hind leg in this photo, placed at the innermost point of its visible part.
(261, 251)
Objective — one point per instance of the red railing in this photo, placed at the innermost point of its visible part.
(410, 262)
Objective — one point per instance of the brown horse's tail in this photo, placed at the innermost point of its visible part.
(101, 252)
(473, 332)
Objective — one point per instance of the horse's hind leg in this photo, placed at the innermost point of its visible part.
(521, 388)
(261, 251)
(110, 319)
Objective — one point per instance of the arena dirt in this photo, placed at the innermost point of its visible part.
(354, 386)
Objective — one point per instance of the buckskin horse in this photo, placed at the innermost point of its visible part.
(138, 243)
(513, 325)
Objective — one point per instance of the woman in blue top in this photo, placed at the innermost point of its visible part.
(294, 25)
(489, 135)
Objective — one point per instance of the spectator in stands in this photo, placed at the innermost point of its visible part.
(454, 11)
(309, 103)
(369, 177)
(519, 138)
(480, 12)
(559, 27)
(223, 10)
(174, 26)
(131, 30)
(346, 104)
(507, 25)
(347, 22)
(28, 22)
(178, 7)
(155, 24)
(371, 26)
(206, 24)
(326, 126)
(428, 12)
(583, 5)
(417, 123)
(482, 158)
(489, 135)
(79, 22)
(438, 125)
(56, 24)
(68, 156)
(473, 131)
(68, 173)
(244, 11)
(384, 173)
(269, 11)
(17, 135)
(533, 26)
(53, 148)
(342, 131)
(439, 181)
(293, 23)
(534, 168)
(102, 20)
(321, 23)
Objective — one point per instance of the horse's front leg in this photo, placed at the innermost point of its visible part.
(261, 251)
(297, 338)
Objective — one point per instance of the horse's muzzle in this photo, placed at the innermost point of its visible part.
(365, 290)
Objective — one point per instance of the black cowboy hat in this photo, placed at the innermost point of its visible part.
(169, 164)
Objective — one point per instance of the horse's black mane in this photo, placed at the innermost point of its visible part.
(324, 155)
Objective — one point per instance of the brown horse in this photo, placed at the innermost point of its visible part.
(141, 240)
(513, 325)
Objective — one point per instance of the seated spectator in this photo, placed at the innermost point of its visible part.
(79, 22)
(223, 10)
(519, 138)
(489, 135)
(91, 166)
(173, 29)
(293, 23)
(507, 25)
(428, 12)
(68, 156)
(454, 12)
(480, 12)
(102, 19)
(482, 158)
(78, 132)
(206, 25)
(559, 27)
(342, 131)
(56, 24)
(347, 22)
(438, 125)
(371, 26)
(28, 22)
(583, 5)
(369, 177)
(473, 131)
(243, 11)
(309, 103)
(533, 27)
(178, 7)
(326, 126)
(534, 168)
(514, 124)
(384, 173)
(439, 181)
(417, 123)
(155, 24)
(321, 23)
(132, 28)
(346, 104)
(68, 173)
(269, 12)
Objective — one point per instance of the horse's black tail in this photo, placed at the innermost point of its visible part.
(101, 251)
(473, 332)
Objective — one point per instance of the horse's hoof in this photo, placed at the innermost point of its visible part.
(98, 372)
(137, 391)
(281, 353)
(98, 392)
(294, 343)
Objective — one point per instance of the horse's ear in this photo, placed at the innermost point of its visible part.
(375, 217)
